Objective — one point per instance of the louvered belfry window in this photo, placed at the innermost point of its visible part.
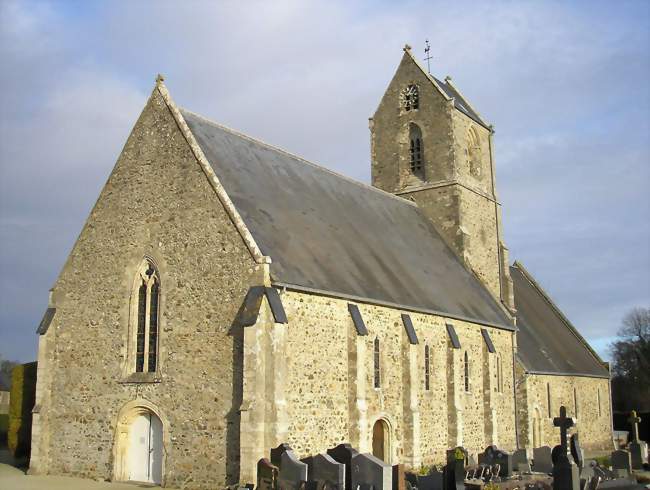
(148, 297)
(416, 151)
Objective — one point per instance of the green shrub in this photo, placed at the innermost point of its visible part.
(21, 403)
(603, 461)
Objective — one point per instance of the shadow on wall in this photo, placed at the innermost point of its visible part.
(23, 394)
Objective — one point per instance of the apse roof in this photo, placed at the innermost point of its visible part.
(547, 342)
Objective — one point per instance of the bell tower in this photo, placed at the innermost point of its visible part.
(429, 145)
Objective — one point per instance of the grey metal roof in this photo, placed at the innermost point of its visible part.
(460, 103)
(547, 342)
(329, 233)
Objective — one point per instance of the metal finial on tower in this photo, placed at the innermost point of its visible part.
(428, 57)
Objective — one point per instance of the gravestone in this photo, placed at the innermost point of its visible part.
(565, 471)
(343, 453)
(542, 462)
(454, 472)
(638, 448)
(621, 463)
(493, 455)
(367, 469)
(521, 457)
(588, 471)
(267, 475)
(323, 468)
(292, 472)
(577, 452)
(433, 481)
(399, 477)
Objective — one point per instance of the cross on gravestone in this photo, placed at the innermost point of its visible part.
(565, 472)
(634, 421)
(638, 448)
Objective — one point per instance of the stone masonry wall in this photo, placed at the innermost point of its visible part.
(157, 203)
(323, 351)
(593, 419)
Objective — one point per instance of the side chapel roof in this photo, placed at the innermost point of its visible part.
(326, 232)
(547, 342)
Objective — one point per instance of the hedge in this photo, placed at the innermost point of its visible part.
(21, 403)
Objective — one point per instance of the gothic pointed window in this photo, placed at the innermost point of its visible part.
(427, 368)
(375, 358)
(410, 98)
(474, 152)
(145, 313)
(416, 151)
(466, 371)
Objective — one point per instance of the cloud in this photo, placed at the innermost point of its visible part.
(565, 85)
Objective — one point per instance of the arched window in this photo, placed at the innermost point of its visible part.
(548, 399)
(466, 371)
(427, 368)
(145, 323)
(575, 401)
(410, 98)
(499, 374)
(377, 370)
(416, 151)
(600, 411)
(474, 152)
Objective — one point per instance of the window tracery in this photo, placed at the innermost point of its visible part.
(145, 318)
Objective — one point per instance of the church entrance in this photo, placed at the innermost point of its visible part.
(381, 440)
(145, 448)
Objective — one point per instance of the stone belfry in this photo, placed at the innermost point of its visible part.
(429, 145)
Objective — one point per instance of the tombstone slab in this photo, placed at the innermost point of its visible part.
(267, 475)
(493, 456)
(293, 472)
(323, 468)
(454, 472)
(542, 462)
(621, 463)
(367, 469)
(343, 453)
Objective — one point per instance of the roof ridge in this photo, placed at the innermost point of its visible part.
(518, 265)
(303, 160)
(449, 82)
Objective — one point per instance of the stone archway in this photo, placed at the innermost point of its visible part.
(140, 441)
(381, 440)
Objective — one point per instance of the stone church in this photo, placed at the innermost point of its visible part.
(225, 296)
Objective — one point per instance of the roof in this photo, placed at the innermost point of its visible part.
(547, 342)
(328, 233)
(459, 102)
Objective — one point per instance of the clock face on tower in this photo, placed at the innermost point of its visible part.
(409, 97)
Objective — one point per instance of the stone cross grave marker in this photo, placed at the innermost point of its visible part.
(267, 475)
(542, 462)
(324, 469)
(638, 448)
(621, 463)
(367, 469)
(343, 453)
(565, 472)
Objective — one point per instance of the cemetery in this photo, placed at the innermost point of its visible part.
(563, 467)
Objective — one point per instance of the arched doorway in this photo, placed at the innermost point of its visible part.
(381, 440)
(139, 446)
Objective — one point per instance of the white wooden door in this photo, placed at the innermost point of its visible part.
(139, 436)
(155, 450)
(146, 449)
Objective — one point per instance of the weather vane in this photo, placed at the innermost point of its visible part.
(428, 56)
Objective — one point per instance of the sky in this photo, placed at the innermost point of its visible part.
(564, 83)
